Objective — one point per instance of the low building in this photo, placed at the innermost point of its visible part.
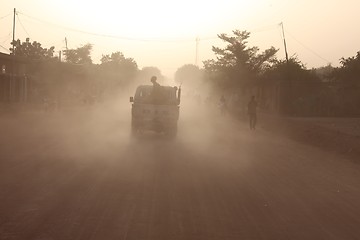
(13, 78)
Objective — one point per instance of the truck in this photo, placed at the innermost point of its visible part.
(155, 108)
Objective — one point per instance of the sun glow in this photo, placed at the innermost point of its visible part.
(153, 19)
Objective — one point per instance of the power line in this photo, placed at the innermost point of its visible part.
(5, 48)
(307, 48)
(17, 15)
(256, 30)
(7, 39)
(5, 16)
(6, 36)
(107, 35)
(58, 44)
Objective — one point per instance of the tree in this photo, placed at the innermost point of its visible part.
(189, 74)
(117, 61)
(147, 72)
(80, 55)
(298, 87)
(117, 69)
(32, 51)
(348, 73)
(326, 73)
(348, 86)
(41, 69)
(237, 63)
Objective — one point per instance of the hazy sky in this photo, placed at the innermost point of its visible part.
(163, 33)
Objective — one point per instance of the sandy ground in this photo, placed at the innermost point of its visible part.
(336, 135)
(76, 174)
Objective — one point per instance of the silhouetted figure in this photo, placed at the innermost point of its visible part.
(223, 105)
(252, 105)
(156, 91)
(153, 80)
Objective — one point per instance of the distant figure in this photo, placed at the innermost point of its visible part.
(223, 105)
(252, 105)
(46, 104)
(156, 91)
(153, 80)
(49, 104)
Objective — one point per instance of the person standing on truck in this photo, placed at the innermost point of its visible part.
(154, 82)
(156, 91)
(252, 105)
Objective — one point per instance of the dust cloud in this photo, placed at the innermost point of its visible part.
(101, 130)
(75, 172)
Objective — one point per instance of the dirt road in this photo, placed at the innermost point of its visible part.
(77, 175)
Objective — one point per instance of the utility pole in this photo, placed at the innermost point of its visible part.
(12, 59)
(196, 51)
(66, 43)
(286, 54)
(13, 50)
(287, 96)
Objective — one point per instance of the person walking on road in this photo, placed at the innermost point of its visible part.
(223, 105)
(252, 105)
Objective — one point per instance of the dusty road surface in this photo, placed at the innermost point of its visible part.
(76, 174)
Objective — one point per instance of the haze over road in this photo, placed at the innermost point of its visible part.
(76, 174)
